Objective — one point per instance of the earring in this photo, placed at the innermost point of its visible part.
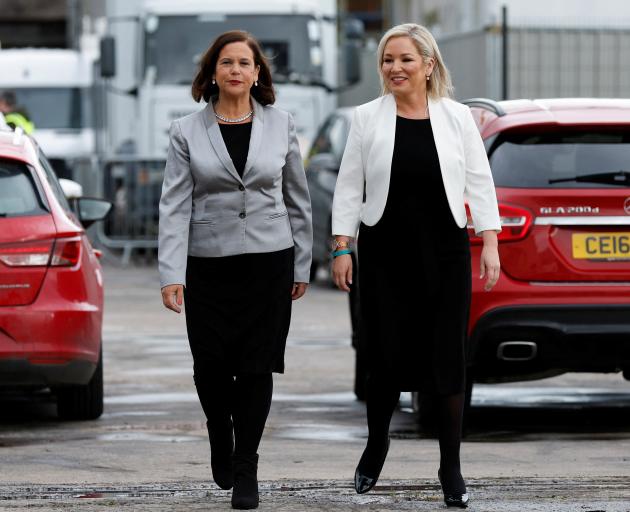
(214, 81)
(428, 77)
(256, 83)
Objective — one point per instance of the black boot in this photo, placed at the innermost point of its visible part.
(221, 450)
(245, 493)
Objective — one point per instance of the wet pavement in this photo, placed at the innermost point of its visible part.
(560, 495)
(559, 444)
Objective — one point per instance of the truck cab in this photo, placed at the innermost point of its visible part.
(298, 37)
(54, 87)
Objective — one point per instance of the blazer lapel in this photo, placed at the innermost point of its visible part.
(216, 139)
(384, 123)
(440, 132)
(256, 137)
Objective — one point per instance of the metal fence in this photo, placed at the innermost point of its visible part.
(543, 62)
(134, 186)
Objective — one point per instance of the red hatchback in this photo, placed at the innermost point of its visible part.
(562, 174)
(51, 285)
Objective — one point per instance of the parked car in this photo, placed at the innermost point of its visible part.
(51, 284)
(561, 168)
(562, 175)
(322, 168)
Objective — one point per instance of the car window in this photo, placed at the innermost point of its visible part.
(54, 182)
(331, 137)
(18, 191)
(569, 159)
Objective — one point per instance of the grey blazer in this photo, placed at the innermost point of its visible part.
(207, 210)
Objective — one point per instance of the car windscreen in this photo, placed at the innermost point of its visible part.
(19, 193)
(587, 158)
(52, 108)
(174, 44)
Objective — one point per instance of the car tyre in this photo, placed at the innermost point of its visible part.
(83, 402)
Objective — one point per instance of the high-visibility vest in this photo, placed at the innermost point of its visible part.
(16, 119)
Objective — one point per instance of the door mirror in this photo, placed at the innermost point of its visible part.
(91, 210)
(355, 33)
(108, 57)
(323, 162)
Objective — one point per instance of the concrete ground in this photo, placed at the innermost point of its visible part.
(561, 444)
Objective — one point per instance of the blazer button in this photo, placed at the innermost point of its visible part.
(241, 188)
(242, 215)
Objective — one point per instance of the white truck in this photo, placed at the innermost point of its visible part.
(54, 87)
(148, 60)
(158, 44)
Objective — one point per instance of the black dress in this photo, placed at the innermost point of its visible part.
(238, 308)
(415, 275)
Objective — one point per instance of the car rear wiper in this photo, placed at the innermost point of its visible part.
(620, 177)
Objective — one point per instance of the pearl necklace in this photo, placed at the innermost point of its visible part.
(237, 120)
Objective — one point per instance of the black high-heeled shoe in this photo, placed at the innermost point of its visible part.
(221, 450)
(364, 482)
(459, 500)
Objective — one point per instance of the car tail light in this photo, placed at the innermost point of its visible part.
(31, 254)
(66, 253)
(515, 224)
(62, 252)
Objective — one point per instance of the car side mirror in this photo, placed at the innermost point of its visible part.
(355, 35)
(90, 210)
(323, 162)
(71, 189)
(108, 57)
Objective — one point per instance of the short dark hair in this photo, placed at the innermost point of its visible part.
(9, 98)
(202, 86)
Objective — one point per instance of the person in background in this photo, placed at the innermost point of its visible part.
(235, 243)
(415, 154)
(13, 115)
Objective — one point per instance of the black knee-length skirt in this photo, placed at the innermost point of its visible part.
(414, 309)
(238, 311)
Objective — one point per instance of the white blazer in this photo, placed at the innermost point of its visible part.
(367, 161)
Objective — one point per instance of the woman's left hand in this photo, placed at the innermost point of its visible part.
(299, 289)
(490, 265)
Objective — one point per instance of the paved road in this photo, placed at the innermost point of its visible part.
(560, 444)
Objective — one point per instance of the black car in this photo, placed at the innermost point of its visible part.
(321, 173)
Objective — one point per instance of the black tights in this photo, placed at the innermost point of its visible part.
(244, 400)
(381, 402)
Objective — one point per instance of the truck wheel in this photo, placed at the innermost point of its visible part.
(82, 402)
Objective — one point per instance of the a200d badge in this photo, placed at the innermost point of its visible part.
(572, 210)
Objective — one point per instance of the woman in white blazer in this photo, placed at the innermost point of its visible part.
(235, 241)
(414, 157)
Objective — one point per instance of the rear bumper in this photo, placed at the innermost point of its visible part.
(550, 339)
(23, 373)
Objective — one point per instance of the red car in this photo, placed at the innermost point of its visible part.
(51, 285)
(561, 168)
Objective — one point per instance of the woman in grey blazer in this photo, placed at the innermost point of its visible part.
(235, 243)
(414, 157)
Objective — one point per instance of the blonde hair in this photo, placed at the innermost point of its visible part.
(440, 84)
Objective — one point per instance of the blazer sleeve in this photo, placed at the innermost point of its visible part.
(479, 187)
(298, 202)
(175, 211)
(348, 197)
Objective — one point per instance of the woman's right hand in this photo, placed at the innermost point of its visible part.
(342, 272)
(173, 297)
